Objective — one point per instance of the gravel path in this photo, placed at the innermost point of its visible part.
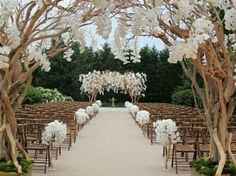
(111, 145)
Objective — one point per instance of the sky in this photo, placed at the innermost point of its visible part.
(99, 41)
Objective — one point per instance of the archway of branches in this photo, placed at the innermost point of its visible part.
(98, 82)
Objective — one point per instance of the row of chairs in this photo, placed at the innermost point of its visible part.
(194, 137)
(31, 122)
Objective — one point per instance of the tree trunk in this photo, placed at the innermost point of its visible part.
(8, 142)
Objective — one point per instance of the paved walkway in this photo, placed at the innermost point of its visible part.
(111, 145)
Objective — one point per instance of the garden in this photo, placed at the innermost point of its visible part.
(73, 69)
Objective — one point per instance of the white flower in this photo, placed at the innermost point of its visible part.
(185, 8)
(42, 59)
(128, 104)
(103, 25)
(13, 35)
(54, 131)
(3, 65)
(224, 4)
(97, 82)
(166, 132)
(230, 19)
(95, 108)
(133, 109)
(203, 26)
(81, 116)
(90, 111)
(8, 7)
(142, 117)
(67, 54)
(99, 103)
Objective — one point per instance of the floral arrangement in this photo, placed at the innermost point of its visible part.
(166, 132)
(142, 117)
(99, 103)
(128, 104)
(55, 131)
(95, 107)
(81, 116)
(98, 82)
(90, 111)
(133, 109)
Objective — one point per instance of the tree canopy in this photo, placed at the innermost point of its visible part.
(65, 75)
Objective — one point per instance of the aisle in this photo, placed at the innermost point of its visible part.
(111, 145)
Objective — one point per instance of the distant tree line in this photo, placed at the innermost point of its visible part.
(164, 80)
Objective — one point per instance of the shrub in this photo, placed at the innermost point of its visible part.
(207, 167)
(8, 166)
(184, 97)
(43, 95)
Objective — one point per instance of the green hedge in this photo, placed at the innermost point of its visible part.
(41, 95)
(184, 97)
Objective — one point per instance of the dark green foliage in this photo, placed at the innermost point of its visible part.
(42, 95)
(183, 97)
(8, 166)
(162, 77)
(207, 167)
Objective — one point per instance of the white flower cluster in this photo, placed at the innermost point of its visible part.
(98, 82)
(4, 51)
(90, 111)
(36, 54)
(68, 54)
(7, 8)
(135, 85)
(104, 25)
(99, 103)
(190, 23)
(54, 132)
(166, 132)
(128, 104)
(133, 109)
(230, 19)
(202, 31)
(142, 117)
(83, 115)
(36, 29)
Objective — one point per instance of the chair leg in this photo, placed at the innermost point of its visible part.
(46, 162)
(49, 158)
(176, 164)
(70, 142)
(173, 155)
(57, 150)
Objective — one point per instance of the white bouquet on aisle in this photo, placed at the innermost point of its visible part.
(142, 117)
(55, 131)
(133, 109)
(81, 116)
(90, 111)
(166, 132)
(99, 103)
(95, 108)
(128, 104)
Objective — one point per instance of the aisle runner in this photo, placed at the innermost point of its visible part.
(111, 145)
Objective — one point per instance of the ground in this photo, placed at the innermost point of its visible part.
(111, 145)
